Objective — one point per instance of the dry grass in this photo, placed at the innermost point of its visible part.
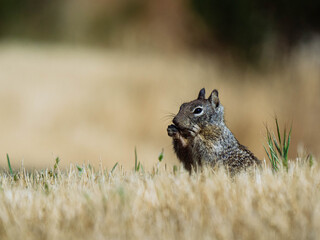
(160, 204)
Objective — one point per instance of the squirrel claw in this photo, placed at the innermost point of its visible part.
(172, 130)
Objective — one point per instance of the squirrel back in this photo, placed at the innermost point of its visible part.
(200, 136)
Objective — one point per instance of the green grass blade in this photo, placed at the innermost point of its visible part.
(284, 140)
(278, 131)
(273, 164)
(114, 167)
(160, 156)
(278, 147)
(268, 134)
(309, 159)
(135, 159)
(287, 145)
(9, 165)
(57, 163)
(273, 157)
(138, 167)
(267, 153)
(175, 169)
(271, 147)
(79, 169)
(273, 153)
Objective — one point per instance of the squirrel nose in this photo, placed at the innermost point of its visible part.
(175, 122)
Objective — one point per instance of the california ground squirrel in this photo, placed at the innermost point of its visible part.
(200, 136)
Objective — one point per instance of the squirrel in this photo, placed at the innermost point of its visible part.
(200, 136)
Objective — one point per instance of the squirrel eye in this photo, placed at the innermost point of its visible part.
(197, 110)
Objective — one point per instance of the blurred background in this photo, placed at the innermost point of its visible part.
(90, 80)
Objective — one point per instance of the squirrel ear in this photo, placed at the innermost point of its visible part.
(214, 98)
(202, 94)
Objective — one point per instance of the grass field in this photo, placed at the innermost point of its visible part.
(97, 106)
(81, 202)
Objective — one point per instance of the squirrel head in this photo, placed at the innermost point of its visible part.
(199, 113)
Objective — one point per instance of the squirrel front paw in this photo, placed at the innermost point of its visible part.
(172, 130)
